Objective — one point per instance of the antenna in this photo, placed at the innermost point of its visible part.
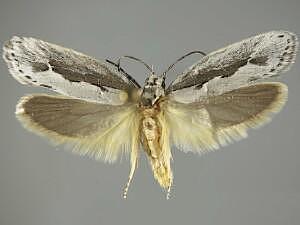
(180, 59)
(135, 59)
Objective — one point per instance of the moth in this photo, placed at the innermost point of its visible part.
(101, 111)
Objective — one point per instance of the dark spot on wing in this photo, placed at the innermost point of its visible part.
(28, 77)
(45, 85)
(21, 71)
(252, 79)
(288, 56)
(260, 61)
(103, 88)
(280, 36)
(7, 57)
(39, 67)
(71, 79)
(255, 44)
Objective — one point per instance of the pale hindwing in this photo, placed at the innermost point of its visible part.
(205, 125)
(38, 63)
(241, 64)
(100, 131)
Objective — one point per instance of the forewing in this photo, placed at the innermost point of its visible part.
(241, 64)
(35, 62)
(98, 130)
(218, 120)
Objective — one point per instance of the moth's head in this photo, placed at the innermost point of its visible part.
(154, 89)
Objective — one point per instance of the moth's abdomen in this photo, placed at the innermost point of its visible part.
(151, 129)
(151, 132)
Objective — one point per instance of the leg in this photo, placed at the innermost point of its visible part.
(168, 192)
(133, 163)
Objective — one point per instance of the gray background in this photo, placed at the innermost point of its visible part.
(255, 181)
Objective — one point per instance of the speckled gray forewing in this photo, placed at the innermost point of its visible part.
(241, 64)
(35, 62)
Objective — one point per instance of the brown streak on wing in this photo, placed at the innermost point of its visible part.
(209, 73)
(102, 80)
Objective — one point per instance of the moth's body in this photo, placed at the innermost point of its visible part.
(103, 112)
(151, 128)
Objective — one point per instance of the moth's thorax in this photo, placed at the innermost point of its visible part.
(153, 90)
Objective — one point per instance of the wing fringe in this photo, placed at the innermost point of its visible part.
(234, 133)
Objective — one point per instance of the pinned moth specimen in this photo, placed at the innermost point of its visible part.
(103, 112)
